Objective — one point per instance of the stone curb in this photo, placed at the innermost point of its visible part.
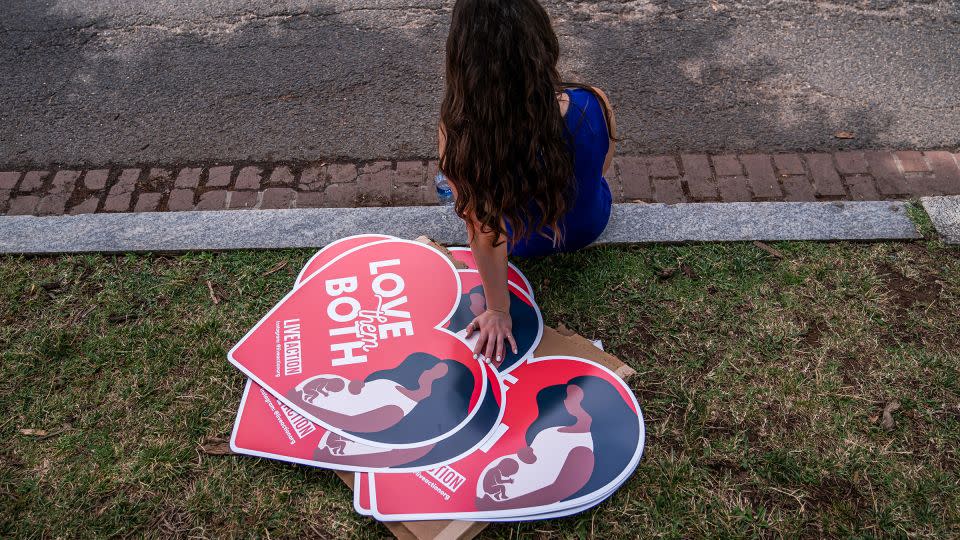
(669, 179)
(630, 223)
(944, 212)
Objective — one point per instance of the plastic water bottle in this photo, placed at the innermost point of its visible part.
(444, 193)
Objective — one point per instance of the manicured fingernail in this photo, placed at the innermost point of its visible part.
(475, 356)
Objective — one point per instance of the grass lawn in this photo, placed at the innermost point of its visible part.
(763, 382)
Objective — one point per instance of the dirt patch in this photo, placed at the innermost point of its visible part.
(726, 466)
(906, 292)
(835, 489)
(811, 338)
(640, 338)
(854, 368)
(907, 295)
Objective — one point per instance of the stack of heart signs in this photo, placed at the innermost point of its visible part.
(364, 367)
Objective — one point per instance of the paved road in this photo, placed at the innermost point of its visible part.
(126, 81)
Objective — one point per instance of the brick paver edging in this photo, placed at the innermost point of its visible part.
(854, 175)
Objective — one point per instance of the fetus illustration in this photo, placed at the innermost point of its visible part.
(573, 447)
(336, 444)
(494, 482)
(421, 398)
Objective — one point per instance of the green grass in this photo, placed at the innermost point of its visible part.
(762, 382)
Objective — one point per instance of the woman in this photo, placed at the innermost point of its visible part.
(584, 437)
(524, 153)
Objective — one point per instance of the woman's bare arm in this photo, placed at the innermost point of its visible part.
(492, 264)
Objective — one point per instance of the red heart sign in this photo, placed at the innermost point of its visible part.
(334, 249)
(359, 348)
(572, 432)
(266, 427)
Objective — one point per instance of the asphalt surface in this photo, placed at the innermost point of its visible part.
(88, 82)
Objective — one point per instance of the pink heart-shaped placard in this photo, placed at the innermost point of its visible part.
(571, 434)
(359, 348)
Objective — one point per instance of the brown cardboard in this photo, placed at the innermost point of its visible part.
(419, 530)
(426, 240)
(565, 342)
(555, 342)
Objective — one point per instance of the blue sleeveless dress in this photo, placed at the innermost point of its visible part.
(587, 218)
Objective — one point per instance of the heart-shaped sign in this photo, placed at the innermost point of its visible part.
(571, 434)
(361, 494)
(360, 349)
(265, 427)
(334, 249)
(525, 314)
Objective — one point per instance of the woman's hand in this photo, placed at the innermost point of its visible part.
(495, 328)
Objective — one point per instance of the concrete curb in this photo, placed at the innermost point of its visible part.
(944, 212)
(726, 222)
(262, 229)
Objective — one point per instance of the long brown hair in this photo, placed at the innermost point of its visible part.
(507, 145)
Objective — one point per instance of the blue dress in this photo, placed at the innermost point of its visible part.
(587, 217)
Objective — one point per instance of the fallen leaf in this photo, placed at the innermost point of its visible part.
(873, 418)
(212, 296)
(845, 135)
(666, 272)
(887, 422)
(769, 249)
(42, 434)
(215, 446)
(275, 267)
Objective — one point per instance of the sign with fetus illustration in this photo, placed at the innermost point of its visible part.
(265, 427)
(524, 313)
(360, 348)
(361, 493)
(572, 432)
(361, 503)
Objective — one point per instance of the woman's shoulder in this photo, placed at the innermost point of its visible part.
(590, 92)
(588, 97)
